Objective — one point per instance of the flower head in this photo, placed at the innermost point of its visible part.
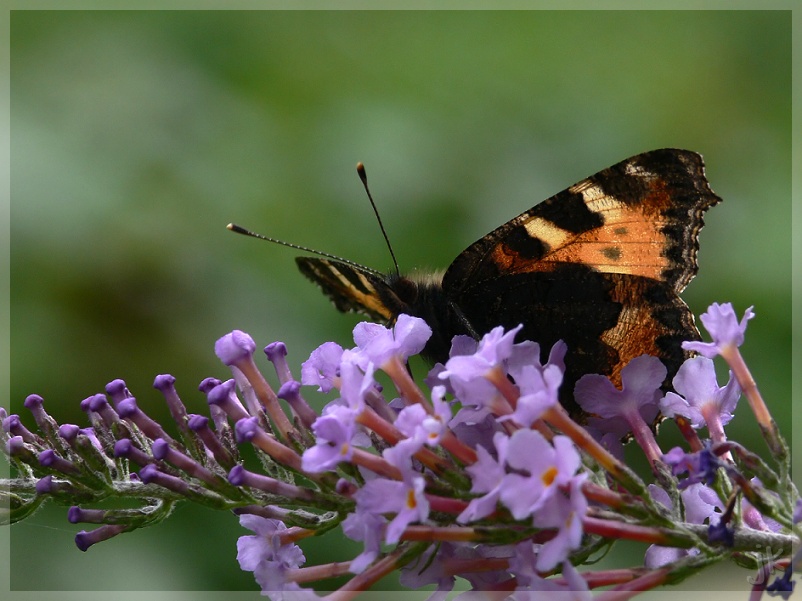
(495, 495)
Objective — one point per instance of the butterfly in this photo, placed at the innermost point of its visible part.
(599, 265)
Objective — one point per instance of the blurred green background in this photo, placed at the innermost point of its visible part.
(137, 136)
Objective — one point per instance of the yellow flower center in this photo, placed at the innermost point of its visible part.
(411, 502)
(549, 475)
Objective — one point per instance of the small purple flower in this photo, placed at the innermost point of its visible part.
(355, 379)
(44, 485)
(701, 466)
(539, 388)
(640, 393)
(494, 348)
(527, 354)
(290, 391)
(322, 366)
(635, 405)
(125, 448)
(162, 450)
(416, 423)
(151, 474)
(473, 391)
(467, 375)
(538, 469)
(251, 549)
(224, 397)
(431, 567)
(572, 588)
(400, 455)
(565, 514)
(128, 409)
(407, 337)
(199, 424)
(49, 458)
(15, 447)
(13, 425)
(263, 553)
(699, 397)
(702, 504)
(722, 324)
(334, 432)
(487, 476)
(368, 528)
(277, 355)
(118, 391)
(68, 432)
(165, 383)
(405, 499)
(680, 461)
(410, 419)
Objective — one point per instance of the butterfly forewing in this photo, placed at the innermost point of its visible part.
(641, 217)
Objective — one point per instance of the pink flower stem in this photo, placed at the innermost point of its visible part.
(644, 437)
(768, 427)
(363, 581)
(409, 390)
(558, 417)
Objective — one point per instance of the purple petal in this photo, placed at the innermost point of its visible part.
(234, 347)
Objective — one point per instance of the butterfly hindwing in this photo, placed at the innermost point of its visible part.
(352, 289)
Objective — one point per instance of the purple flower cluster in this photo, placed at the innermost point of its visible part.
(483, 477)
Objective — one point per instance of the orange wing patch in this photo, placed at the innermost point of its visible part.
(628, 242)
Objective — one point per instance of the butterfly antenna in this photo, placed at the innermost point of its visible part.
(241, 230)
(360, 169)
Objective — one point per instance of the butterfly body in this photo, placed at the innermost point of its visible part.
(599, 265)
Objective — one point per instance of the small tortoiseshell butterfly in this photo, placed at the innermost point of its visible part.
(599, 265)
